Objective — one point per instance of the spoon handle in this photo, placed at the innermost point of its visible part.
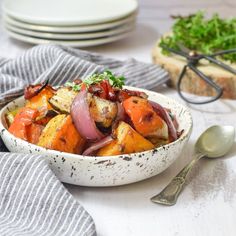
(168, 196)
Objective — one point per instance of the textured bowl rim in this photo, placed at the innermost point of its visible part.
(46, 151)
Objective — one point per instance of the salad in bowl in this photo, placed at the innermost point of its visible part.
(97, 132)
(92, 117)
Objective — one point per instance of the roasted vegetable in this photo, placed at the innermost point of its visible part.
(60, 134)
(23, 125)
(126, 93)
(45, 117)
(127, 141)
(63, 99)
(93, 147)
(166, 116)
(33, 132)
(102, 111)
(40, 101)
(82, 118)
(33, 90)
(10, 115)
(92, 117)
(145, 119)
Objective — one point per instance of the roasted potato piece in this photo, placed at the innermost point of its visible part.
(63, 99)
(102, 111)
(127, 141)
(40, 101)
(60, 134)
(145, 119)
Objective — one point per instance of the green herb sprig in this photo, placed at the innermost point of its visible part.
(203, 35)
(73, 85)
(114, 81)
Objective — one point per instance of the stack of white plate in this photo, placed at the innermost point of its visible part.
(79, 23)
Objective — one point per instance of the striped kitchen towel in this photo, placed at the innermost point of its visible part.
(32, 200)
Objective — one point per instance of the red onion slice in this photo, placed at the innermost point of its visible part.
(82, 119)
(121, 116)
(95, 146)
(120, 112)
(165, 116)
(175, 122)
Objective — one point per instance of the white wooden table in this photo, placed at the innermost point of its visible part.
(207, 206)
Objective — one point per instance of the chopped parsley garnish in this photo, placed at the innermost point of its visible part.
(114, 81)
(203, 35)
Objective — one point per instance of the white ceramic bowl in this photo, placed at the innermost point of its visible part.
(110, 170)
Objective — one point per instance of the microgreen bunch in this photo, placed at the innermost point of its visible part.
(203, 35)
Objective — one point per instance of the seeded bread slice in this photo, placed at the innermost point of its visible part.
(191, 82)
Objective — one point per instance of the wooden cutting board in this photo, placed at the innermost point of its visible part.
(191, 82)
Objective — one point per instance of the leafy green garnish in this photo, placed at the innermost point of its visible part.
(203, 35)
(114, 81)
(73, 85)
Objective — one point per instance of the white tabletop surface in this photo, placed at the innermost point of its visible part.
(207, 206)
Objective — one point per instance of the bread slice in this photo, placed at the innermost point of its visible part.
(191, 82)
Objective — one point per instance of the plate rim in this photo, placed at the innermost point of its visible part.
(72, 43)
(70, 29)
(69, 36)
(42, 20)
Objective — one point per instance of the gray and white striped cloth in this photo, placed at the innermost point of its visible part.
(32, 200)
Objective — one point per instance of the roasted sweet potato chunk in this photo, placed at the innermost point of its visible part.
(40, 101)
(33, 132)
(127, 141)
(60, 134)
(145, 119)
(24, 126)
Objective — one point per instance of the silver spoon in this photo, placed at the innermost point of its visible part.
(215, 142)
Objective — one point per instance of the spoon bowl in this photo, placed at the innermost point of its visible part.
(215, 141)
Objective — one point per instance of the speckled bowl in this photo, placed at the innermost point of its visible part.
(110, 170)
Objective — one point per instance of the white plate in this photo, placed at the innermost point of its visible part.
(72, 43)
(109, 170)
(69, 36)
(69, 29)
(69, 12)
